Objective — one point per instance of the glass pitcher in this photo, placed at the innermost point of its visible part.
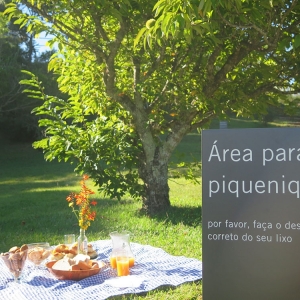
(120, 242)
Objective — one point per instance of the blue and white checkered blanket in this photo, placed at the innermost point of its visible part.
(153, 268)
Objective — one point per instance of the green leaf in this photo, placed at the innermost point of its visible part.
(201, 4)
(11, 8)
(139, 35)
(20, 21)
(296, 42)
(60, 46)
(159, 7)
(166, 22)
(32, 92)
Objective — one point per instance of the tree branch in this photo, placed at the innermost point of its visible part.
(233, 60)
(260, 90)
(179, 128)
(114, 46)
(211, 63)
(155, 63)
(204, 120)
(76, 34)
(250, 25)
(99, 30)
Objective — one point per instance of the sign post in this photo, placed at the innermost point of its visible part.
(251, 214)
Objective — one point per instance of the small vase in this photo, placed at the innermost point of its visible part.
(82, 243)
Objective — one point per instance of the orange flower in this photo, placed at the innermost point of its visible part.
(85, 177)
(69, 198)
(92, 216)
(84, 213)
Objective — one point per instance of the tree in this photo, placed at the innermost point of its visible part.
(131, 103)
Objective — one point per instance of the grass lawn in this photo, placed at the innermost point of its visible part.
(33, 207)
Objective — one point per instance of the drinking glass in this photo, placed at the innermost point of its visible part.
(38, 252)
(69, 239)
(122, 262)
(15, 262)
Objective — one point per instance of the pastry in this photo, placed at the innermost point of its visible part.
(72, 251)
(56, 255)
(13, 249)
(61, 248)
(83, 265)
(38, 254)
(69, 255)
(91, 252)
(80, 262)
(61, 251)
(24, 247)
(81, 257)
(62, 264)
(74, 247)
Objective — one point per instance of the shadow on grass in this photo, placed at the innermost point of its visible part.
(190, 216)
(37, 211)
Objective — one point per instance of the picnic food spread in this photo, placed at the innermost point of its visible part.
(61, 259)
(153, 268)
(65, 261)
(62, 250)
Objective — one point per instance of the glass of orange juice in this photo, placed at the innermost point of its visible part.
(122, 262)
(131, 262)
(113, 262)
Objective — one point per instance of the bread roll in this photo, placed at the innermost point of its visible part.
(61, 248)
(62, 264)
(57, 255)
(13, 249)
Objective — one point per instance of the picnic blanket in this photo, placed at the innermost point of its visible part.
(153, 268)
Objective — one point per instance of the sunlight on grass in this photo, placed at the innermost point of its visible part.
(7, 182)
(66, 188)
(33, 208)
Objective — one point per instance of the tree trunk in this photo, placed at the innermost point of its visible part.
(154, 173)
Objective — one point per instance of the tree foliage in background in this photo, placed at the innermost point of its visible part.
(10, 63)
(18, 50)
(139, 79)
